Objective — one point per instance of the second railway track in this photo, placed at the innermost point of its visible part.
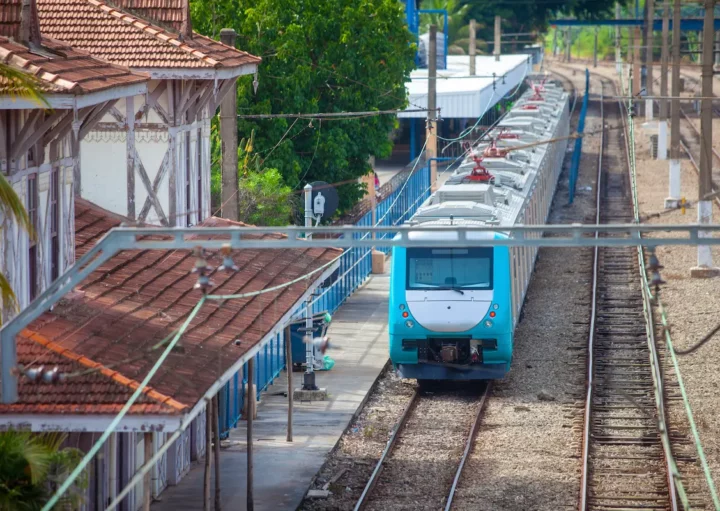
(623, 462)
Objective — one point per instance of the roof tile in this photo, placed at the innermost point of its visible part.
(141, 297)
(121, 37)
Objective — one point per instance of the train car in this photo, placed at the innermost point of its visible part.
(453, 310)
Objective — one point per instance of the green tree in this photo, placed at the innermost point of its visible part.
(457, 29)
(318, 56)
(33, 467)
(523, 16)
(263, 197)
(20, 85)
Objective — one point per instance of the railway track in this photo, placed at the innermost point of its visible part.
(623, 460)
(436, 422)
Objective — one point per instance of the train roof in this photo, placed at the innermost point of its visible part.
(463, 200)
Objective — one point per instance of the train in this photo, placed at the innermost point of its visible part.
(454, 310)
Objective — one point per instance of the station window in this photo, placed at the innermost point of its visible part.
(32, 211)
(54, 224)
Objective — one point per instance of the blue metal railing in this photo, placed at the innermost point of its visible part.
(577, 152)
(409, 190)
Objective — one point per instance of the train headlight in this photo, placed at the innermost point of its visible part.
(496, 306)
(402, 306)
(488, 323)
(409, 323)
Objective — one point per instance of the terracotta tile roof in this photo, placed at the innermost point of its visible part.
(123, 38)
(58, 67)
(168, 13)
(10, 18)
(92, 393)
(67, 71)
(138, 298)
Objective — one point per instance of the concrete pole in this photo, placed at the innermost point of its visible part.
(472, 47)
(674, 196)
(431, 137)
(229, 137)
(496, 51)
(650, 5)
(618, 52)
(636, 39)
(595, 42)
(663, 125)
(705, 267)
(250, 505)
(568, 40)
(554, 46)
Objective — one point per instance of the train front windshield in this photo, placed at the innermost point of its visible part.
(449, 268)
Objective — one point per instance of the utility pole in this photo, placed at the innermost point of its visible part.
(662, 125)
(618, 53)
(567, 45)
(472, 49)
(431, 136)
(674, 197)
(705, 268)
(636, 39)
(595, 41)
(229, 136)
(650, 6)
(554, 50)
(496, 51)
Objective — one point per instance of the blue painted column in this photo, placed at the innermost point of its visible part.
(413, 136)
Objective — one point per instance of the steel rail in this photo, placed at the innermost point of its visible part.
(658, 383)
(362, 501)
(656, 374)
(468, 445)
(591, 337)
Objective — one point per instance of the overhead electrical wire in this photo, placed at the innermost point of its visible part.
(331, 115)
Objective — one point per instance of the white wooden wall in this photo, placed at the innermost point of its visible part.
(172, 143)
(14, 255)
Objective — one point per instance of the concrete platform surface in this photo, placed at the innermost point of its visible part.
(283, 471)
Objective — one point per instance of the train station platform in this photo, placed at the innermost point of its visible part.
(283, 471)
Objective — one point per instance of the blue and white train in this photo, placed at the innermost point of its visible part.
(453, 310)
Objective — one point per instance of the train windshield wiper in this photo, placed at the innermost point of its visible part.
(458, 290)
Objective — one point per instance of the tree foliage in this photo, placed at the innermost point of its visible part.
(318, 56)
(33, 467)
(263, 197)
(521, 16)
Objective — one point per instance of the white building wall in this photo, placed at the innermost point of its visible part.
(14, 249)
(104, 160)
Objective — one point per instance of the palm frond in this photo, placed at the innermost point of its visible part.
(12, 206)
(22, 85)
(7, 295)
